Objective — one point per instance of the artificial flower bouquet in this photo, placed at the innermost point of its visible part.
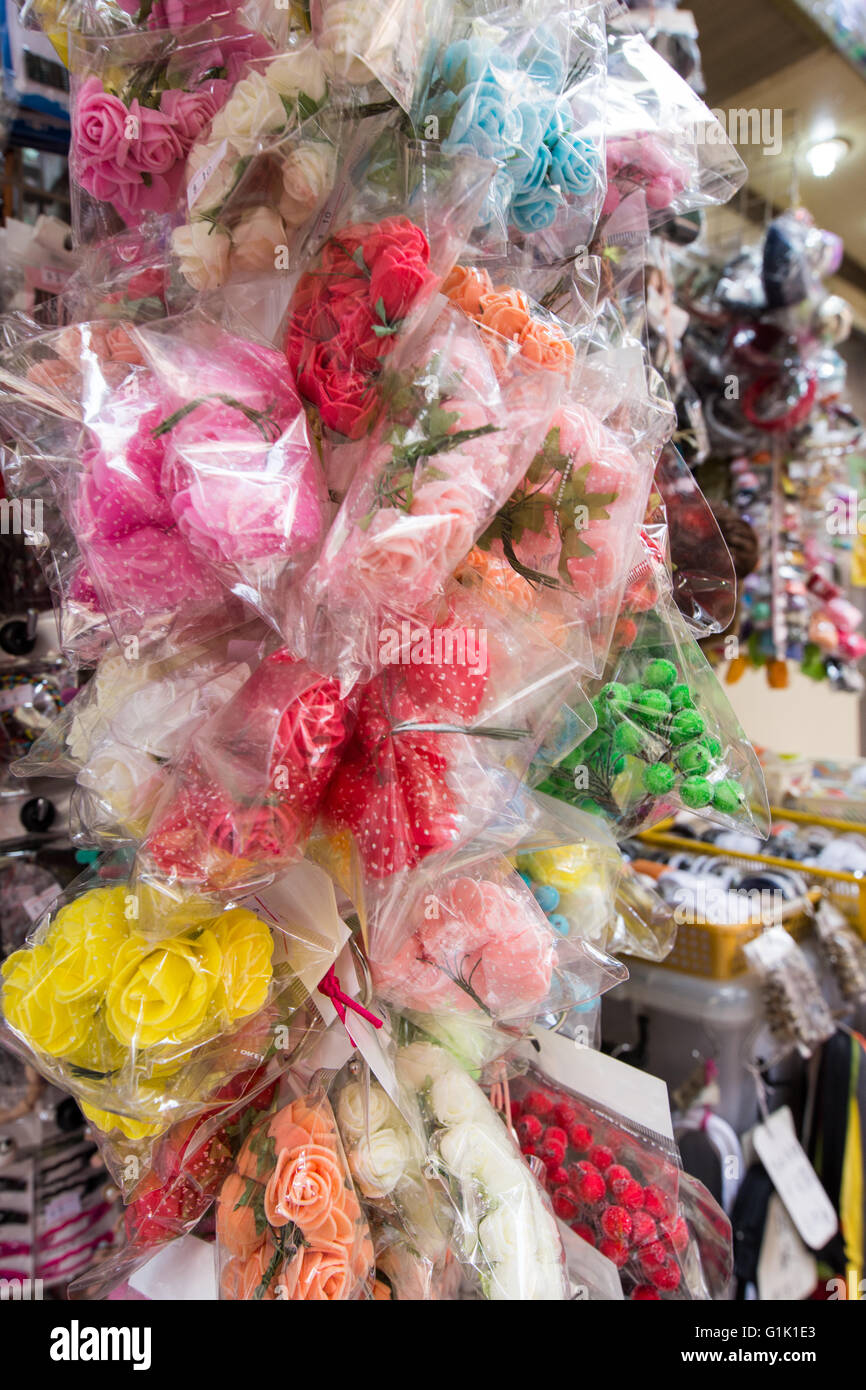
(289, 1224)
(139, 103)
(476, 940)
(524, 86)
(242, 798)
(667, 737)
(145, 1029)
(505, 1235)
(454, 438)
(370, 47)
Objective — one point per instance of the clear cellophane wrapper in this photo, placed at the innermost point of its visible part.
(289, 1225)
(365, 49)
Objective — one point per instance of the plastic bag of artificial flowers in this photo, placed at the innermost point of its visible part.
(238, 472)
(475, 939)
(524, 86)
(242, 798)
(661, 137)
(702, 571)
(391, 233)
(124, 277)
(289, 1224)
(138, 103)
(365, 48)
(505, 1235)
(612, 1177)
(460, 430)
(104, 17)
(258, 174)
(572, 866)
(147, 1029)
(667, 737)
(130, 720)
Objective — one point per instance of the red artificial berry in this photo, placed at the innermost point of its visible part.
(555, 1144)
(564, 1204)
(590, 1184)
(580, 1138)
(652, 1256)
(557, 1176)
(566, 1114)
(617, 1178)
(631, 1196)
(529, 1129)
(602, 1157)
(677, 1233)
(644, 1229)
(585, 1232)
(516, 1111)
(615, 1251)
(617, 1223)
(657, 1203)
(538, 1102)
(645, 1293)
(667, 1276)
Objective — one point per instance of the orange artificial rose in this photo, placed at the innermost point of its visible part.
(505, 312)
(236, 1219)
(545, 347)
(306, 1188)
(242, 1277)
(465, 287)
(316, 1275)
(381, 1292)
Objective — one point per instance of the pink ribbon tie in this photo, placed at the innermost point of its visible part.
(329, 985)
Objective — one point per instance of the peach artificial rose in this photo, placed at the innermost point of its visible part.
(236, 1219)
(121, 347)
(244, 1276)
(298, 1124)
(465, 287)
(306, 1188)
(544, 346)
(316, 1275)
(55, 375)
(506, 312)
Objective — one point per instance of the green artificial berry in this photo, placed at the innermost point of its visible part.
(627, 738)
(635, 690)
(659, 778)
(618, 767)
(660, 675)
(696, 792)
(728, 796)
(686, 725)
(694, 760)
(714, 746)
(652, 707)
(681, 698)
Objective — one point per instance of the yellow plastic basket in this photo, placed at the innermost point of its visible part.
(714, 950)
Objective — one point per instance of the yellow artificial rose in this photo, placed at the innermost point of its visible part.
(31, 1007)
(247, 947)
(85, 938)
(107, 1120)
(160, 991)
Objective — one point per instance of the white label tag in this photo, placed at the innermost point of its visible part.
(16, 695)
(637, 1096)
(202, 177)
(787, 1271)
(39, 904)
(795, 1180)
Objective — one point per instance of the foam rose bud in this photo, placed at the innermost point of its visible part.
(203, 251)
(308, 175)
(299, 72)
(253, 112)
(255, 239)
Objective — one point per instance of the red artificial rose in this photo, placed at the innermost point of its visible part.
(356, 337)
(397, 281)
(395, 233)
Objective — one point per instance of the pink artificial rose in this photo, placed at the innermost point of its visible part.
(130, 200)
(394, 553)
(155, 146)
(238, 517)
(188, 112)
(106, 515)
(452, 516)
(98, 123)
(55, 375)
(121, 347)
(150, 571)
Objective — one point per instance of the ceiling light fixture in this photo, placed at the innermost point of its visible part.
(825, 157)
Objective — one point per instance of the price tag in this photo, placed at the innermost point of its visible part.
(16, 695)
(787, 1271)
(39, 904)
(795, 1180)
(200, 179)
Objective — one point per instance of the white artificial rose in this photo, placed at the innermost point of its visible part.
(255, 240)
(379, 1163)
(419, 1063)
(455, 1098)
(203, 252)
(225, 170)
(506, 1236)
(308, 176)
(123, 778)
(298, 72)
(253, 112)
(360, 1112)
(355, 40)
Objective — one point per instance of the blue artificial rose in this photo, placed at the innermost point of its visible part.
(542, 60)
(465, 62)
(495, 205)
(560, 121)
(534, 117)
(574, 165)
(485, 124)
(532, 212)
(531, 175)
